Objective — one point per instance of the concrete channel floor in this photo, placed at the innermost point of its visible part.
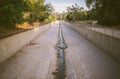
(85, 60)
(37, 60)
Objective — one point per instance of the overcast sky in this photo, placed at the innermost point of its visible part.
(61, 5)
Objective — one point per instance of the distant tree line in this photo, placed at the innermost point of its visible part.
(77, 13)
(13, 12)
(106, 12)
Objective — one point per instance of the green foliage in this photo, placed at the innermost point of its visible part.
(11, 12)
(53, 17)
(76, 13)
(107, 11)
(92, 14)
(40, 11)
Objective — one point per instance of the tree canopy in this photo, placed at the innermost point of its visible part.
(108, 11)
(75, 13)
(12, 11)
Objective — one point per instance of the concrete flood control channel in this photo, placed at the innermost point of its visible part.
(60, 72)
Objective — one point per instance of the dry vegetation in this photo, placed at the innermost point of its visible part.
(4, 32)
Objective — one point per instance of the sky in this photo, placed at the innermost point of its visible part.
(61, 5)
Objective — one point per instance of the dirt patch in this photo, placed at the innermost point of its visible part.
(5, 32)
(32, 43)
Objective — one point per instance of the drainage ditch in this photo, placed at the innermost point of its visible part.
(60, 72)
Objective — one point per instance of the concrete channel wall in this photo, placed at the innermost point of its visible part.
(10, 45)
(109, 44)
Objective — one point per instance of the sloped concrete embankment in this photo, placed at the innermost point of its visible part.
(108, 43)
(10, 45)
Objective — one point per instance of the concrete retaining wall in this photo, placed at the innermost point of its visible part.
(108, 43)
(10, 45)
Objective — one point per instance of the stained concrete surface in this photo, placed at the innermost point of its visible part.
(11, 44)
(37, 60)
(86, 61)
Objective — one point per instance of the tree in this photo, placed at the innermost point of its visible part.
(11, 12)
(76, 13)
(40, 11)
(92, 14)
(108, 11)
